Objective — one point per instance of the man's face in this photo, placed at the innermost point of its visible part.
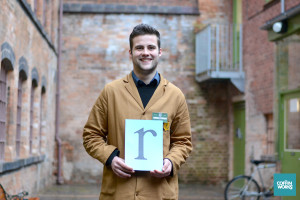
(145, 54)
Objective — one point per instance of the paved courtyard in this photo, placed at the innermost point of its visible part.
(91, 192)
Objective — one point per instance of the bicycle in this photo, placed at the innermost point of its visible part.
(246, 187)
(20, 196)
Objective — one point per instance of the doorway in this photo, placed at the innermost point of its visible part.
(239, 139)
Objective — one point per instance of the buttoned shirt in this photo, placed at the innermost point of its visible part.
(146, 91)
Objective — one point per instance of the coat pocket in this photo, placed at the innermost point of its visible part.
(169, 189)
(108, 181)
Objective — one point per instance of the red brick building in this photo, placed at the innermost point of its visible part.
(28, 39)
(263, 115)
(272, 87)
(95, 52)
(237, 75)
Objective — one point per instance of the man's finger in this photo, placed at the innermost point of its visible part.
(119, 172)
(126, 167)
(167, 165)
(159, 174)
(122, 174)
(120, 163)
(120, 168)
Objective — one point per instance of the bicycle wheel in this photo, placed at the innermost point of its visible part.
(242, 187)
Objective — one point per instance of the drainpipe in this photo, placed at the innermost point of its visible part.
(57, 139)
(282, 6)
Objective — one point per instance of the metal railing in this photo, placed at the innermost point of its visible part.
(219, 52)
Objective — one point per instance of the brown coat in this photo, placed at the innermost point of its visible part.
(105, 129)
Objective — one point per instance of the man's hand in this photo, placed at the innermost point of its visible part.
(120, 168)
(166, 170)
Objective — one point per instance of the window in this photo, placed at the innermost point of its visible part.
(22, 78)
(44, 13)
(292, 125)
(270, 135)
(3, 91)
(35, 6)
(41, 116)
(33, 87)
(7, 65)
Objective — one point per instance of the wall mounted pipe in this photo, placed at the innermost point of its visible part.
(57, 138)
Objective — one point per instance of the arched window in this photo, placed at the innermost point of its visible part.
(34, 85)
(7, 63)
(43, 92)
(2, 111)
(23, 71)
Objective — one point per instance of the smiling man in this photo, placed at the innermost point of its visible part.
(137, 96)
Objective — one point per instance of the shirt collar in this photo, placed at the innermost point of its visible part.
(138, 82)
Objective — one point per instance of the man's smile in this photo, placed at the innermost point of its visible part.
(146, 60)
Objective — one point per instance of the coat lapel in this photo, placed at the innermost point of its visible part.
(159, 92)
(131, 88)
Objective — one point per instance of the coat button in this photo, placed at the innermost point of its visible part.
(136, 194)
(144, 113)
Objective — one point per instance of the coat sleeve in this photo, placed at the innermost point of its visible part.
(180, 138)
(95, 130)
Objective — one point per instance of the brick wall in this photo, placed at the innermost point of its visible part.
(259, 63)
(210, 113)
(31, 48)
(96, 52)
(259, 52)
(102, 50)
(215, 11)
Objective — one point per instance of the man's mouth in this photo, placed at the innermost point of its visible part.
(146, 59)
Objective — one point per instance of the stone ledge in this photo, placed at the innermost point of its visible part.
(128, 9)
(15, 165)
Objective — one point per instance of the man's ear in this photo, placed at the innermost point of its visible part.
(160, 52)
(130, 53)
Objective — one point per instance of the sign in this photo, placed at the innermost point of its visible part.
(144, 144)
(284, 184)
(160, 116)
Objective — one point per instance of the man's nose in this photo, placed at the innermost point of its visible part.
(145, 51)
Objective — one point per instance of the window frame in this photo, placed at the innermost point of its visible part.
(31, 114)
(3, 110)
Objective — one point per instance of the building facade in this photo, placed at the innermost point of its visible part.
(239, 77)
(264, 115)
(28, 39)
(95, 52)
(272, 97)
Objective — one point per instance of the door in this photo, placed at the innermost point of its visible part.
(289, 137)
(239, 139)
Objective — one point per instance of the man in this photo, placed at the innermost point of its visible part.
(142, 92)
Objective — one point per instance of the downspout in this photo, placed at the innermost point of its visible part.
(282, 6)
(57, 139)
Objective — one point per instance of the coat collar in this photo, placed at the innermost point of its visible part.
(132, 89)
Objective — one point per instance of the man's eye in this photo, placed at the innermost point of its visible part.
(139, 48)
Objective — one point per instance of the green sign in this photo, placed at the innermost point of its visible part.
(160, 116)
